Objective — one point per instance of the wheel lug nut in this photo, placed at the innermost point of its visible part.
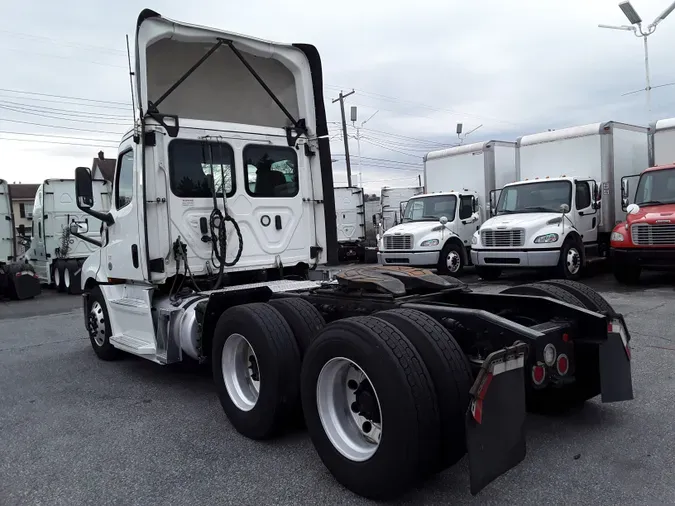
(352, 384)
(367, 427)
(355, 407)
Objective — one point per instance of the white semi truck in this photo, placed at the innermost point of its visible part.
(17, 279)
(64, 236)
(392, 206)
(351, 223)
(398, 372)
(437, 226)
(662, 138)
(561, 211)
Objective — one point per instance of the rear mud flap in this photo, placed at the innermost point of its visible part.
(495, 420)
(616, 381)
(24, 285)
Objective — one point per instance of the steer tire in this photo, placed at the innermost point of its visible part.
(551, 400)
(276, 360)
(590, 299)
(449, 370)
(304, 319)
(405, 393)
(97, 319)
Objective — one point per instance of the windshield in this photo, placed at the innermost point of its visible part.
(656, 187)
(430, 208)
(546, 196)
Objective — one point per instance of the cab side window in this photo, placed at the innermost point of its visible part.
(583, 195)
(124, 180)
(465, 207)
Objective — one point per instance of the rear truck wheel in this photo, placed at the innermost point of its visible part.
(256, 369)
(590, 299)
(302, 317)
(488, 273)
(451, 259)
(71, 277)
(571, 260)
(370, 407)
(449, 370)
(98, 325)
(627, 274)
(558, 399)
(57, 275)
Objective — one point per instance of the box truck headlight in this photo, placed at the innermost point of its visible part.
(429, 242)
(546, 238)
(616, 237)
(474, 239)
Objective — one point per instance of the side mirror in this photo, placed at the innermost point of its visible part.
(633, 209)
(564, 208)
(83, 188)
(443, 220)
(22, 229)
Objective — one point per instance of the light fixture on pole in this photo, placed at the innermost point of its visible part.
(636, 27)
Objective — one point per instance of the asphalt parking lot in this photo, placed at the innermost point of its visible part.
(76, 430)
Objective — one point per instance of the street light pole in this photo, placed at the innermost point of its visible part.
(636, 27)
(358, 144)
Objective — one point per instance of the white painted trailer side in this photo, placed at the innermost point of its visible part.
(390, 202)
(350, 211)
(663, 142)
(6, 224)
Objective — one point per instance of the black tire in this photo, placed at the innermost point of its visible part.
(404, 389)
(564, 266)
(488, 273)
(304, 319)
(57, 275)
(590, 299)
(74, 270)
(98, 326)
(627, 274)
(550, 400)
(277, 361)
(459, 262)
(449, 370)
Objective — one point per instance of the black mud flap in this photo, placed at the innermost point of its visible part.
(495, 431)
(23, 285)
(616, 381)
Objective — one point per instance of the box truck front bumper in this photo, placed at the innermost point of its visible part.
(644, 257)
(419, 258)
(515, 258)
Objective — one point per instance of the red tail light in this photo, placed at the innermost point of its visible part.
(563, 364)
(538, 374)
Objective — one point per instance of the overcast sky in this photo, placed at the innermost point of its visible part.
(514, 67)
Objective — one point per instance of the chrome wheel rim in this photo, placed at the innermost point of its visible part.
(57, 277)
(349, 409)
(240, 372)
(453, 261)
(66, 278)
(573, 261)
(97, 323)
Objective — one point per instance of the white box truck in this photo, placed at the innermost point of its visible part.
(392, 204)
(17, 279)
(351, 223)
(58, 249)
(567, 200)
(662, 145)
(458, 183)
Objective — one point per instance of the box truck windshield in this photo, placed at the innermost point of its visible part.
(430, 208)
(656, 187)
(540, 197)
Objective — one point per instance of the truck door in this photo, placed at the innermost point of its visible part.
(467, 218)
(586, 217)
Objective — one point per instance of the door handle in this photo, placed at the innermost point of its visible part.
(277, 222)
(134, 255)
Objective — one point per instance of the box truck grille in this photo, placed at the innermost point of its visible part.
(398, 242)
(644, 234)
(503, 238)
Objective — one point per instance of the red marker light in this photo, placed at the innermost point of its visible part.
(538, 374)
(563, 364)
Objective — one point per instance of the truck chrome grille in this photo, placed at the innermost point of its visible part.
(398, 241)
(503, 238)
(644, 234)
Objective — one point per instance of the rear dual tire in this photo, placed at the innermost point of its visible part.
(66, 276)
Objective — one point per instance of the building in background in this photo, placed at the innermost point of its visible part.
(23, 198)
(103, 168)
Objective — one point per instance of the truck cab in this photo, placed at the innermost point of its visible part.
(541, 223)
(435, 230)
(647, 238)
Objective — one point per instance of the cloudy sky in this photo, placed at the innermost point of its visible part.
(514, 67)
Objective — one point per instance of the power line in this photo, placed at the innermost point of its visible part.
(370, 141)
(59, 136)
(72, 112)
(61, 127)
(60, 117)
(33, 99)
(383, 160)
(442, 144)
(52, 142)
(7, 90)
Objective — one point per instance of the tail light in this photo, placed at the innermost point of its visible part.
(538, 374)
(562, 364)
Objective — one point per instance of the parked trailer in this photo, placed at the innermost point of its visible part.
(392, 205)
(561, 212)
(64, 236)
(398, 372)
(351, 223)
(458, 185)
(662, 142)
(17, 279)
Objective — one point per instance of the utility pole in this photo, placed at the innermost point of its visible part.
(358, 137)
(341, 99)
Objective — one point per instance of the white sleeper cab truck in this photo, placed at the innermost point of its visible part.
(662, 142)
(17, 279)
(437, 227)
(561, 212)
(63, 235)
(222, 209)
(392, 206)
(351, 223)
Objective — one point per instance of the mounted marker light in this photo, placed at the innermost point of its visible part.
(549, 355)
(538, 374)
(563, 364)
